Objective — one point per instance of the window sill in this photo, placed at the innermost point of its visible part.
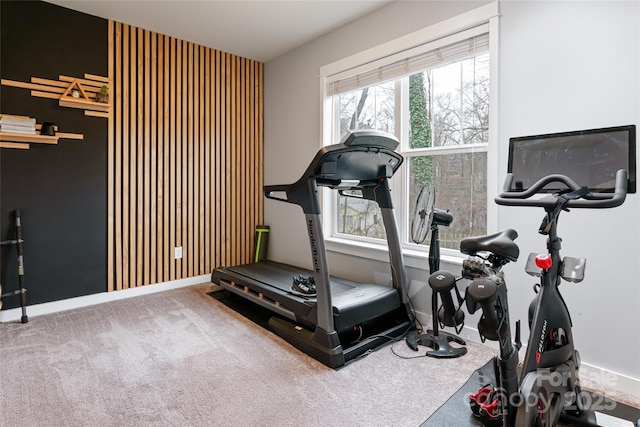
(412, 258)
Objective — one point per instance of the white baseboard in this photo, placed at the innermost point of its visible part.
(15, 314)
(603, 378)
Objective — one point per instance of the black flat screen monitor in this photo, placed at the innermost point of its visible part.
(589, 157)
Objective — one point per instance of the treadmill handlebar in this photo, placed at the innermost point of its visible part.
(269, 191)
(301, 193)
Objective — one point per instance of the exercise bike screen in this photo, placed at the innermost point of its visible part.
(589, 157)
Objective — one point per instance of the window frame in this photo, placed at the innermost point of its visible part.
(414, 255)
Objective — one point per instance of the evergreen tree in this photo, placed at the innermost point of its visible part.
(420, 131)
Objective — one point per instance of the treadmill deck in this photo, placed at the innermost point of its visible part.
(267, 283)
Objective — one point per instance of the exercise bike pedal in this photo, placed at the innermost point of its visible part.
(485, 406)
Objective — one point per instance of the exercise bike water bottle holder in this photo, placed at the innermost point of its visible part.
(572, 269)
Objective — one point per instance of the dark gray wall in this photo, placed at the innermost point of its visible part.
(61, 189)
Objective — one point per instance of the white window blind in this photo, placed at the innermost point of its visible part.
(436, 53)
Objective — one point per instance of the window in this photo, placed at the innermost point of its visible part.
(435, 98)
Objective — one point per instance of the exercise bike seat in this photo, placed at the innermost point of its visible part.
(501, 244)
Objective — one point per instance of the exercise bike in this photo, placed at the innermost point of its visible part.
(548, 388)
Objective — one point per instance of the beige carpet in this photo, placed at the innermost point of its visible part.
(181, 358)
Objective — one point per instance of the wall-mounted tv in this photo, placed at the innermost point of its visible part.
(590, 157)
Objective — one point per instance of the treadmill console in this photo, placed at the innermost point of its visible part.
(362, 155)
(362, 159)
(370, 138)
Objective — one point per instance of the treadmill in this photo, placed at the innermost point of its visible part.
(346, 319)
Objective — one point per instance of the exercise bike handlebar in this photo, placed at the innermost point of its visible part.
(590, 200)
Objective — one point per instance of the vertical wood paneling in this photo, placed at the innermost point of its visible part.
(190, 159)
(180, 82)
(230, 142)
(258, 198)
(239, 143)
(198, 259)
(185, 158)
(197, 137)
(155, 234)
(126, 191)
(141, 151)
(115, 152)
(111, 169)
(225, 161)
(205, 144)
(147, 173)
(166, 271)
(217, 235)
(173, 155)
(159, 125)
(133, 152)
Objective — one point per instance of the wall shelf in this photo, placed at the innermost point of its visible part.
(15, 145)
(22, 140)
(22, 137)
(61, 89)
(69, 101)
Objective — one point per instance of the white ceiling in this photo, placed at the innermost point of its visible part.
(255, 29)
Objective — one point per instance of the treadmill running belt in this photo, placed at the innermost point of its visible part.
(280, 275)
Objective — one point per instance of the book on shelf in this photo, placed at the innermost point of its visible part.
(12, 120)
(17, 129)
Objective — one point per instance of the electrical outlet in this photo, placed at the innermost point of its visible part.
(178, 252)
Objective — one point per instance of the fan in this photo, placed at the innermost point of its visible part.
(423, 214)
(427, 218)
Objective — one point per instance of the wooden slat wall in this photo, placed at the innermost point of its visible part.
(185, 158)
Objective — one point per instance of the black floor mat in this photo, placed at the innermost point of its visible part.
(456, 411)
